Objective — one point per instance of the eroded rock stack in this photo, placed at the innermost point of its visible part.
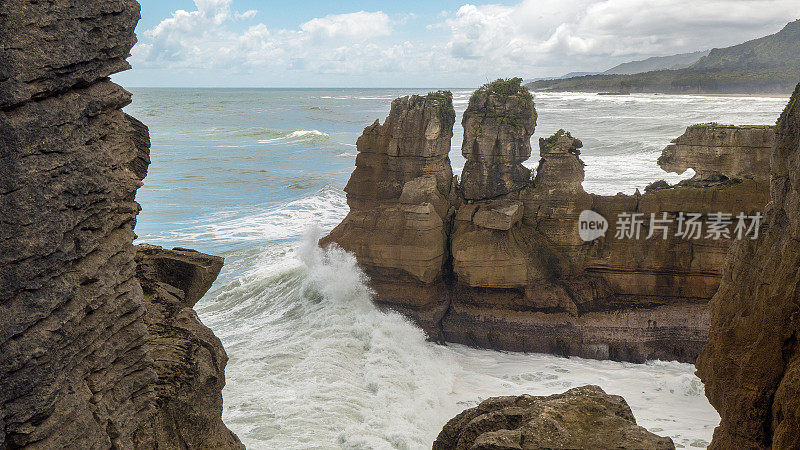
(583, 417)
(189, 359)
(401, 200)
(751, 365)
(76, 369)
(498, 125)
(490, 247)
(513, 273)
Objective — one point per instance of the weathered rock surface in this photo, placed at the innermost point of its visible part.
(540, 287)
(498, 125)
(401, 199)
(51, 47)
(76, 370)
(584, 417)
(508, 269)
(714, 151)
(751, 365)
(189, 359)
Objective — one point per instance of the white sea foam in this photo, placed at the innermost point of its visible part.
(296, 136)
(326, 207)
(314, 364)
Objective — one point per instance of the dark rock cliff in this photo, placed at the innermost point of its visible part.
(77, 370)
(751, 365)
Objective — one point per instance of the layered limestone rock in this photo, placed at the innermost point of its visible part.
(401, 196)
(513, 273)
(498, 125)
(490, 247)
(751, 365)
(189, 359)
(624, 299)
(583, 417)
(721, 151)
(76, 369)
(51, 47)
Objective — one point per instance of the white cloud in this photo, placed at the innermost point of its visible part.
(531, 32)
(208, 38)
(249, 14)
(359, 25)
(476, 42)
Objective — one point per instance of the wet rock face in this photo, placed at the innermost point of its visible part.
(721, 151)
(189, 360)
(400, 192)
(751, 365)
(583, 417)
(75, 370)
(498, 124)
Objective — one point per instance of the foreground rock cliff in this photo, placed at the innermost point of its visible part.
(188, 359)
(581, 418)
(77, 367)
(497, 261)
(751, 365)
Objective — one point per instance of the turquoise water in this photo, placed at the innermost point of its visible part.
(256, 175)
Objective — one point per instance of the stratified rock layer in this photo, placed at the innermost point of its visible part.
(583, 417)
(713, 151)
(76, 369)
(537, 286)
(189, 359)
(751, 365)
(506, 267)
(400, 198)
(498, 124)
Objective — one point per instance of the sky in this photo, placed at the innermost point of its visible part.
(419, 43)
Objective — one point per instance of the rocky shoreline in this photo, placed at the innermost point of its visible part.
(101, 347)
(751, 364)
(495, 260)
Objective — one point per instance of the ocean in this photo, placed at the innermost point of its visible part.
(256, 176)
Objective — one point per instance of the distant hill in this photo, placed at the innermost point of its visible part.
(566, 75)
(672, 62)
(770, 64)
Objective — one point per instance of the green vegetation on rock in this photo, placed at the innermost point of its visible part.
(504, 87)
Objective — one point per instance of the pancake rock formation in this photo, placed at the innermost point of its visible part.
(401, 198)
(189, 359)
(497, 260)
(583, 417)
(77, 367)
(751, 365)
(498, 125)
(721, 151)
